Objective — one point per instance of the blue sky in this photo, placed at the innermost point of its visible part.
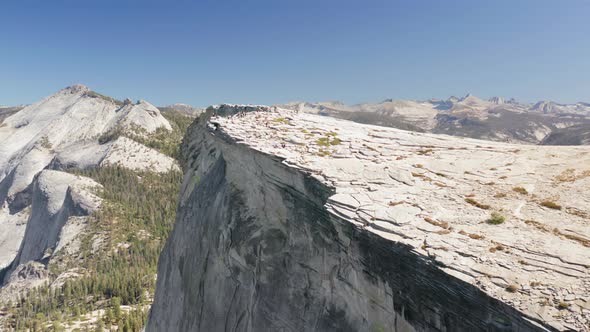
(206, 52)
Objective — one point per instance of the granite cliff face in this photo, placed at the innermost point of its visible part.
(296, 222)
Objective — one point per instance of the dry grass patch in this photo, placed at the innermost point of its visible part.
(569, 175)
(498, 247)
(562, 305)
(476, 236)
(324, 153)
(443, 232)
(424, 152)
(577, 212)
(442, 224)
(280, 120)
(551, 205)
(477, 204)
(583, 241)
(471, 235)
(512, 288)
(537, 225)
(500, 195)
(520, 190)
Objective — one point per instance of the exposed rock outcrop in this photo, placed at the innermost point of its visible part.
(297, 222)
(60, 203)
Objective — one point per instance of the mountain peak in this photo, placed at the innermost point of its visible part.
(497, 100)
(76, 88)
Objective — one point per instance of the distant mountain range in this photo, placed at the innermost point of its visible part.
(496, 119)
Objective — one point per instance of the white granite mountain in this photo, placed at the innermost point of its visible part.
(42, 207)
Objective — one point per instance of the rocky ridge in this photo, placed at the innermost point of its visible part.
(309, 222)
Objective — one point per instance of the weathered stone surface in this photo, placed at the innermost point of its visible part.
(276, 234)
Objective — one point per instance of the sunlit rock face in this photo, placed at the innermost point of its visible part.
(296, 222)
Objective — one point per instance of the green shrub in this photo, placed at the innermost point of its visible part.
(496, 219)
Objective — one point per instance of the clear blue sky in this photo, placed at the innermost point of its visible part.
(206, 52)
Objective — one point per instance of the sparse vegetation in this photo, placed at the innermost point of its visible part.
(512, 288)
(551, 205)
(498, 247)
(324, 153)
(280, 120)
(583, 241)
(562, 305)
(477, 204)
(44, 141)
(424, 152)
(442, 224)
(329, 139)
(520, 190)
(500, 195)
(537, 225)
(496, 219)
(471, 235)
(93, 94)
(569, 175)
(476, 236)
(165, 141)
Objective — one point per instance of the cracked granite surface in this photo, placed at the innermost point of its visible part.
(437, 193)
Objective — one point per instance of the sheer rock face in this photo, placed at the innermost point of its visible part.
(293, 222)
